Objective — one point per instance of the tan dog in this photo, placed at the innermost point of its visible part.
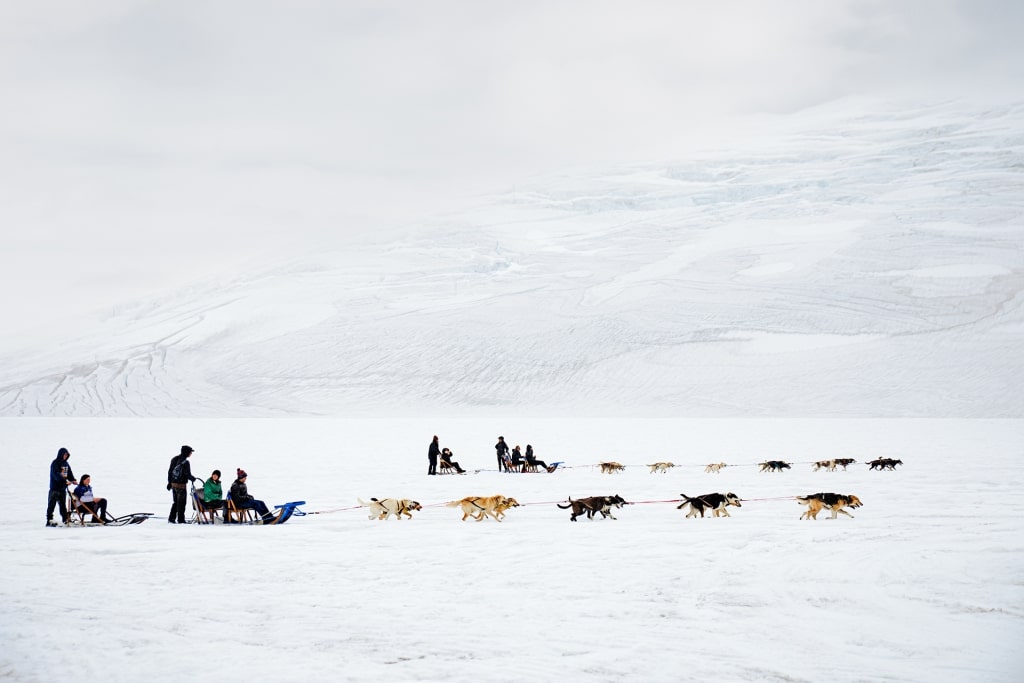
(715, 467)
(509, 502)
(661, 467)
(610, 467)
(383, 508)
(829, 465)
(478, 507)
(816, 502)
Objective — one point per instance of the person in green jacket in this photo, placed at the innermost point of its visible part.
(212, 493)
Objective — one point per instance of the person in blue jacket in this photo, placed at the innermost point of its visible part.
(98, 506)
(60, 476)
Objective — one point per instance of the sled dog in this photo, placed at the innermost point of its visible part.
(715, 467)
(479, 507)
(592, 505)
(610, 467)
(385, 507)
(661, 467)
(774, 466)
(884, 464)
(835, 502)
(715, 502)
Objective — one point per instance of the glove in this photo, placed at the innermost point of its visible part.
(168, 486)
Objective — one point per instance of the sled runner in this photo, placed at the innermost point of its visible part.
(82, 514)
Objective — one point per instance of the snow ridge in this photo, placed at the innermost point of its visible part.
(868, 267)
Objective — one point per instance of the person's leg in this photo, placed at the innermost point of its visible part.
(261, 509)
(179, 502)
(172, 516)
(51, 503)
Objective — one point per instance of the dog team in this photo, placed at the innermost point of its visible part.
(511, 460)
(481, 507)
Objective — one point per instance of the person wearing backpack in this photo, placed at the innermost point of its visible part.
(179, 472)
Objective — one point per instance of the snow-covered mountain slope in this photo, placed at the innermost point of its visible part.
(866, 266)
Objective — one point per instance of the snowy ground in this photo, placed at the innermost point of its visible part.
(925, 584)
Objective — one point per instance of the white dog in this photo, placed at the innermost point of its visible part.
(384, 508)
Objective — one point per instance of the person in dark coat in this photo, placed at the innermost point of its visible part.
(60, 476)
(241, 498)
(502, 450)
(446, 458)
(176, 484)
(517, 459)
(432, 453)
(531, 461)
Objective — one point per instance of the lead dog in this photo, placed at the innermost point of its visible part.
(593, 505)
(835, 502)
(716, 502)
(715, 467)
(610, 467)
(479, 507)
(661, 467)
(384, 508)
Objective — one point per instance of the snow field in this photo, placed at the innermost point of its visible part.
(924, 584)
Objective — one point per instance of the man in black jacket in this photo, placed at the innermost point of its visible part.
(60, 476)
(432, 453)
(502, 449)
(178, 473)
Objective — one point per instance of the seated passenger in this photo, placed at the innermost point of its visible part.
(242, 500)
(533, 462)
(97, 506)
(517, 459)
(446, 458)
(213, 492)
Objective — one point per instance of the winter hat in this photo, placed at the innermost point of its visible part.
(62, 452)
(241, 473)
(187, 450)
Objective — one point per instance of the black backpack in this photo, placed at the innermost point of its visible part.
(178, 470)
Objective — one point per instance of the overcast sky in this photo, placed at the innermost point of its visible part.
(147, 144)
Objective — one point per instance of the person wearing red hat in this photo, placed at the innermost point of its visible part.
(241, 498)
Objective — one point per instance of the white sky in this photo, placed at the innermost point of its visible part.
(147, 144)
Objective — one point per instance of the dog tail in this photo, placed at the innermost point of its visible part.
(802, 500)
(453, 503)
(364, 503)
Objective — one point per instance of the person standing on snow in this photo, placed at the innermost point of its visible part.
(502, 449)
(432, 453)
(60, 476)
(178, 473)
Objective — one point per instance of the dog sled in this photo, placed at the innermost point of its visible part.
(282, 513)
(232, 514)
(83, 514)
